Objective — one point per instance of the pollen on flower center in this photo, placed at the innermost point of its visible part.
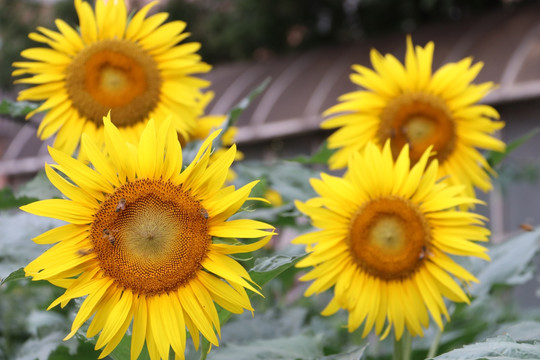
(114, 75)
(389, 238)
(421, 120)
(150, 236)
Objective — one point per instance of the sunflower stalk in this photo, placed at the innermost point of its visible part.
(435, 344)
(403, 347)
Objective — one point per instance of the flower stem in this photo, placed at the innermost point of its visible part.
(403, 347)
(435, 345)
(204, 353)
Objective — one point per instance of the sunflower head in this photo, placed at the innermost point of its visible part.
(134, 68)
(386, 232)
(139, 240)
(411, 105)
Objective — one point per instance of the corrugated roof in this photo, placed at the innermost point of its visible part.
(304, 85)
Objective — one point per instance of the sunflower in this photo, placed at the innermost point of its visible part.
(136, 68)
(387, 232)
(139, 240)
(208, 124)
(410, 105)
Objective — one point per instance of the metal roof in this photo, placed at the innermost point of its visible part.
(303, 85)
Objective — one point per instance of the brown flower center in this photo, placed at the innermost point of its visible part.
(389, 238)
(150, 236)
(420, 120)
(114, 75)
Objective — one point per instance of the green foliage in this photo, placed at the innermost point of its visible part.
(494, 158)
(16, 247)
(501, 347)
(14, 276)
(320, 157)
(510, 265)
(39, 188)
(16, 109)
(8, 200)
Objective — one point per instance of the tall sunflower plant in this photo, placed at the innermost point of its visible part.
(151, 240)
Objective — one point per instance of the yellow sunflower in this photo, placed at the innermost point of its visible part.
(208, 124)
(136, 68)
(410, 105)
(386, 233)
(138, 243)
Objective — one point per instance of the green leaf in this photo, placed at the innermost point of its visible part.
(85, 351)
(293, 347)
(16, 108)
(510, 263)
(123, 350)
(9, 201)
(320, 157)
(355, 354)
(40, 348)
(38, 188)
(290, 179)
(239, 108)
(494, 158)
(264, 270)
(16, 248)
(499, 348)
(521, 331)
(14, 276)
(267, 269)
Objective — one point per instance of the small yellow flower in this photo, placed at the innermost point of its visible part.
(386, 233)
(135, 68)
(410, 105)
(138, 243)
(274, 197)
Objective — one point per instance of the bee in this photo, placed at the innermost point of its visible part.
(84, 252)
(204, 213)
(423, 253)
(121, 205)
(526, 227)
(107, 235)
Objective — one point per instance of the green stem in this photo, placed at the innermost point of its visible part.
(435, 344)
(204, 353)
(403, 347)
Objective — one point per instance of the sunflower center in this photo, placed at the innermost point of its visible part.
(114, 75)
(150, 236)
(420, 120)
(389, 238)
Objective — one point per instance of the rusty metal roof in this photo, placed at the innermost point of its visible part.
(303, 85)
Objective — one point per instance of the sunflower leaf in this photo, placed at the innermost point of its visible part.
(494, 158)
(8, 199)
(14, 276)
(16, 108)
(123, 349)
(268, 268)
(264, 270)
(293, 347)
(510, 263)
(501, 347)
(355, 354)
(239, 108)
(320, 157)
(39, 188)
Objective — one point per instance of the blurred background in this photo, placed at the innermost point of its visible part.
(306, 49)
